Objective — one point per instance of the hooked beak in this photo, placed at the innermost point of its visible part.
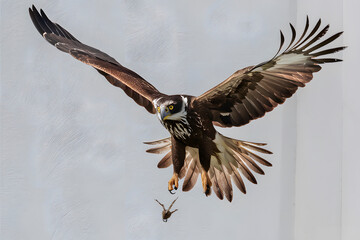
(165, 113)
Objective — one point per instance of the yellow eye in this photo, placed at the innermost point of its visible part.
(171, 107)
(158, 108)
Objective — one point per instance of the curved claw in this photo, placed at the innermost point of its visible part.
(173, 183)
(208, 190)
(170, 191)
(206, 182)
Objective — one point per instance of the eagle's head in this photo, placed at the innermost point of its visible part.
(171, 108)
(172, 113)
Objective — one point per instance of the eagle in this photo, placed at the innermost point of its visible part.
(195, 147)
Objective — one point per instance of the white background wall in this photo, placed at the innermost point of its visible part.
(73, 165)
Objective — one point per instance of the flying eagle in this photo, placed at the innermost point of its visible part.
(194, 145)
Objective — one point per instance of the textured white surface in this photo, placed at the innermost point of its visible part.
(319, 121)
(73, 165)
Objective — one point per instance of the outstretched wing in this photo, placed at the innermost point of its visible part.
(133, 85)
(251, 92)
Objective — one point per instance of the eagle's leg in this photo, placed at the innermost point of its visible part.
(206, 182)
(178, 157)
(174, 181)
(205, 157)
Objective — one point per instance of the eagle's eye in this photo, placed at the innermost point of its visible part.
(171, 107)
(158, 108)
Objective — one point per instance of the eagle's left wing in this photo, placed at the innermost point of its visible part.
(251, 92)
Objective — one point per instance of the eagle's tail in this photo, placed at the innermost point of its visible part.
(235, 157)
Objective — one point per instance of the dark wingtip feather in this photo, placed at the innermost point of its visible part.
(50, 24)
(311, 33)
(304, 32)
(254, 181)
(325, 42)
(34, 20)
(293, 33)
(328, 51)
(317, 37)
(282, 39)
(260, 171)
(39, 21)
(327, 60)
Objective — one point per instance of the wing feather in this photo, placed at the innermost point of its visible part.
(236, 158)
(216, 187)
(142, 92)
(244, 169)
(304, 32)
(311, 33)
(251, 92)
(191, 176)
(224, 182)
(166, 161)
(238, 180)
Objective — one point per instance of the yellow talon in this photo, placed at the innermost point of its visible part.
(206, 182)
(173, 181)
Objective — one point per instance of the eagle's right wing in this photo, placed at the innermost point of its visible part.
(142, 92)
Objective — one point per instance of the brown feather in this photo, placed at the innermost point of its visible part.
(327, 60)
(166, 141)
(126, 76)
(134, 85)
(251, 164)
(166, 161)
(159, 150)
(310, 35)
(215, 184)
(258, 149)
(255, 90)
(238, 180)
(328, 51)
(317, 37)
(325, 42)
(259, 159)
(185, 167)
(191, 176)
(224, 183)
(304, 32)
(293, 33)
(243, 168)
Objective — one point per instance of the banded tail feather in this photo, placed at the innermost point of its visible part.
(237, 159)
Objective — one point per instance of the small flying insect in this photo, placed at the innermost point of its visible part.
(166, 213)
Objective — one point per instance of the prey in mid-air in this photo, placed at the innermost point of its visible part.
(166, 213)
(195, 146)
